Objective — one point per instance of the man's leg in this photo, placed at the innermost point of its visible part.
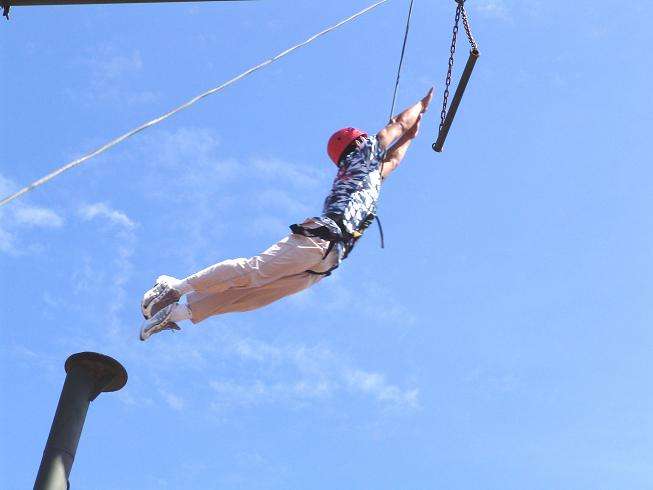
(292, 255)
(204, 305)
(201, 305)
(403, 122)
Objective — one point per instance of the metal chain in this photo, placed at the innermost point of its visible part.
(452, 53)
(460, 12)
(468, 29)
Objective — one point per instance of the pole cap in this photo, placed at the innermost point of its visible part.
(108, 373)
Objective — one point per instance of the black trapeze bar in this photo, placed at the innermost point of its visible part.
(455, 102)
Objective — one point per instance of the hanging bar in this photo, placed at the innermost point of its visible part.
(460, 90)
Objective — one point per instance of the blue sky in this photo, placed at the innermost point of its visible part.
(502, 340)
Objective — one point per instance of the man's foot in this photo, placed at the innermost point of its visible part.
(159, 322)
(159, 296)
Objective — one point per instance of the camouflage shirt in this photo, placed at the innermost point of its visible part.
(355, 191)
(350, 207)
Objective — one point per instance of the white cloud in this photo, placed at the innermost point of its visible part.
(7, 240)
(122, 267)
(281, 200)
(174, 401)
(271, 193)
(507, 10)
(109, 65)
(335, 294)
(91, 211)
(21, 214)
(492, 8)
(259, 392)
(112, 75)
(301, 374)
(35, 216)
(256, 351)
(298, 175)
(244, 372)
(374, 384)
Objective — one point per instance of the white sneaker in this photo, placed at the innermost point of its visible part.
(159, 296)
(159, 322)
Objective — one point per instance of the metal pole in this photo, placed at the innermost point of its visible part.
(27, 3)
(460, 90)
(87, 375)
(7, 4)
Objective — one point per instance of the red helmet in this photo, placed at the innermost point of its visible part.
(340, 140)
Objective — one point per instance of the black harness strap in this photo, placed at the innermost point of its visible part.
(325, 234)
(325, 273)
(378, 222)
(321, 232)
(5, 8)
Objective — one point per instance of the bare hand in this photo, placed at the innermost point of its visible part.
(414, 129)
(427, 100)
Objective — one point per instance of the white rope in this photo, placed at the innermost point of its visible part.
(185, 105)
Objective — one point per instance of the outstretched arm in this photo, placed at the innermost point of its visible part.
(399, 125)
(396, 153)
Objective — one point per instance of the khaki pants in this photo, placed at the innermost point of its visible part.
(246, 284)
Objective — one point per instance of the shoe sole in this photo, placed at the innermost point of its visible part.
(166, 298)
(143, 335)
(147, 306)
(148, 310)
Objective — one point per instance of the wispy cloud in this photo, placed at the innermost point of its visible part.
(299, 176)
(374, 384)
(303, 374)
(492, 8)
(22, 214)
(111, 75)
(123, 229)
(259, 392)
(103, 210)
(175, 402)
(267, 194)
(336, 295)
(109, 65)
(507, 10)
(35, 216)
(232, 372)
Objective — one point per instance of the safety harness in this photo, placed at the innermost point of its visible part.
(325, 233)
(335, 238)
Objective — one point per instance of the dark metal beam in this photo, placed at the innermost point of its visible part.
(7, 4)
(25, 3)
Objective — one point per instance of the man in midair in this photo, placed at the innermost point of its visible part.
(310, 252)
